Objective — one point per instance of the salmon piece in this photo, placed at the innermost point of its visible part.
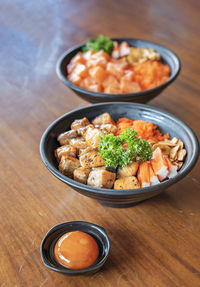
(98, 74)
(115, 51)
(65, 137)
(86, 83)
(104, 118)
(87, 55)
(152, 176)
(81, 174)
(128, 170)
(128, 182)
(74, 78)
(68, 164)
(143, 174)
(101, 178)
(65, 150)
(128, 75)
(159, 164)
(110, 80)
(91, 136)
(100, 58)
(171, 167)
(91, 159)
(95, 88)
(112, 90)
(124, 49)
(78, 58)
(78, 124)
(129, 87)
(80, 70)
(116, 69)
(108, 128)
(78, 143)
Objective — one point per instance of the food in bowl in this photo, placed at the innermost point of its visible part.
(126, 154)
(105, 66)
(76, 250)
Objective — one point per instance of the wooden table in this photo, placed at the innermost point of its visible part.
(156, 243)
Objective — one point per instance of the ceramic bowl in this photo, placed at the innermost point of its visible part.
(166, 122)
(52, 236)
(168, 57)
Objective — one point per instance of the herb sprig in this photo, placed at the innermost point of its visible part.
(123, 149)
(100, 43)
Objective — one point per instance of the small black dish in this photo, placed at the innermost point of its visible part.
(168, 57)
(166, 122)
(50, 239)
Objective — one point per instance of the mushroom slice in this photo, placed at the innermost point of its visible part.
(181, 154)
(180, 143)
(173, 152)
(174, 140)
(179, 164)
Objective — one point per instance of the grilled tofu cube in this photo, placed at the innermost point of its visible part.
(91, 136)
(79, 124)
(108, 129)
(101, 178)
(68, 164)
(103, 119)
(128, 182)
(78, 143)
(128, 170)
(65, 150)
(65, 138)
(91, 159)
(81, 174)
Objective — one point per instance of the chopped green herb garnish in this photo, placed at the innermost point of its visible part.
(100, 43)
(115, 152)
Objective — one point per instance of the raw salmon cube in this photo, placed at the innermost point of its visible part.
(129, 87)
(86, 83)
(87, 55)
(159, 164)
(74, 78)
(80, 70)
(95, 88)
(78, 58)
(112, 90)
(143, 174)
(116, 69)
(98, 74)
(98, 59)
(110, 81)
(128, 75)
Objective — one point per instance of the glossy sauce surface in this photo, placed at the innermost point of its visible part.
(76, 250)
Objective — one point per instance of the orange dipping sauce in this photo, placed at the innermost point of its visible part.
(76, 250)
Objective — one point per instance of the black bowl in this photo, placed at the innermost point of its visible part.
(50, 239)
(168, 57)
(165, 121)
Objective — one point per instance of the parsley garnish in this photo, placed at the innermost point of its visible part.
(100, 43)
(123, 149)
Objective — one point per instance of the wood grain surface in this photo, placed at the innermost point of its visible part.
(154, 244)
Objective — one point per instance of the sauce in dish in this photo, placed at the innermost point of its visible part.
(76, 250)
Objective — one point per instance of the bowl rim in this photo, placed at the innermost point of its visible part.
(172, 77)
(64, 269)
(125, 192)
